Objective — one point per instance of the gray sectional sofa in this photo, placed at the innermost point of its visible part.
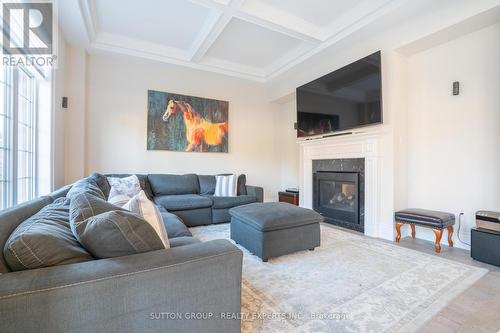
(135, 293)
(191, 197)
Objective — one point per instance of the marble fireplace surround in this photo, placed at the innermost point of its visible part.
(365, 145)
(346, 165)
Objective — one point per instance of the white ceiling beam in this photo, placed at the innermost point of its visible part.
(214, 26)
(272, 18)
(279, 27)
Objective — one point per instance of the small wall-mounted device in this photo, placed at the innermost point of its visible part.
(456, 88)
(65, 102)
(295, 126)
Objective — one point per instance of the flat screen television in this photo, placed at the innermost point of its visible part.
(347, 98)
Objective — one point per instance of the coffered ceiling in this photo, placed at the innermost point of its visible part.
(253, 39)
(261, 40)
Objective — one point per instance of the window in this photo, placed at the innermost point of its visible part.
(17, 136)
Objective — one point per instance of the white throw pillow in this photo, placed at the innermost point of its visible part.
(142, 206)
(119, 199)
(122, 189)
(226, 186)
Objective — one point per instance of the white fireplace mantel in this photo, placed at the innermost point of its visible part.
(365, 145)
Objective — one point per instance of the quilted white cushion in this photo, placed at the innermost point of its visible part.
(123, 189)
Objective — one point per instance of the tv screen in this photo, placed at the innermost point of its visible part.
(347, 98)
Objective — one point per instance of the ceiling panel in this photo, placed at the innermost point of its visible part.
(251, 45)
(172, 23)
(318, 12)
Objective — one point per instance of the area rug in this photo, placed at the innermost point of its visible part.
(351, 283)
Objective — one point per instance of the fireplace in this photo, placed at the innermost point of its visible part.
(338, 192)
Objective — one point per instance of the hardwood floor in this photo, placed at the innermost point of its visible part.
(477, 309)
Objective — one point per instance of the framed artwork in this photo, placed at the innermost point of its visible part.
(186, 123)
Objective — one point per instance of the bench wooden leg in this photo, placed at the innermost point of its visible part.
(450, 235)
(398, 230)
(439, 234)
(412, 230)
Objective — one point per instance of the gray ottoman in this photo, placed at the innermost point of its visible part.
(275, 228)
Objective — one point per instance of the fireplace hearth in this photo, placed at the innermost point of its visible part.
(338, 192)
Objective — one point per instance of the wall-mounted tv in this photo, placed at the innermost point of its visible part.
(347, 98)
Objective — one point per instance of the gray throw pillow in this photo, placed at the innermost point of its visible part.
(45, 239)
(86, 185)
(107, 231)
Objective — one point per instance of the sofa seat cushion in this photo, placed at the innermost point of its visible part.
(230, 202)
(182, 241)
(271, 216)
(174, 225)
(45, 239)
(183, 201)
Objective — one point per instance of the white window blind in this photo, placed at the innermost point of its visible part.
(17, 136)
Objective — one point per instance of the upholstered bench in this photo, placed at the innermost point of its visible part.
(275, 228)
(426, 218)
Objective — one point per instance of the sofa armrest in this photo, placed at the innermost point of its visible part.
(256, 191)
(156, 291)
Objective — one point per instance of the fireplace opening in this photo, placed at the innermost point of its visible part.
(336, 196)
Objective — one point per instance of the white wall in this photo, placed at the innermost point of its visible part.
(75, 118)
(117, 119)
(58, 125)
(453, 141)
(286, 142)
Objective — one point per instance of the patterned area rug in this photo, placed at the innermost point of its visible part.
(351, 283)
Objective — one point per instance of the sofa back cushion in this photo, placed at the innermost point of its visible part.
(207, 184)
(242, 185)
(12, 217)
(108, 231)
(45, 239)
(164, 184)
(86, 185)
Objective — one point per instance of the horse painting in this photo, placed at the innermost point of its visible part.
(199, 131)
(186, 123)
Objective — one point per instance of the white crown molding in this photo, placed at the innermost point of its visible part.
(314, 39)
(89, 15)
(112, 40)
(234, 67)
